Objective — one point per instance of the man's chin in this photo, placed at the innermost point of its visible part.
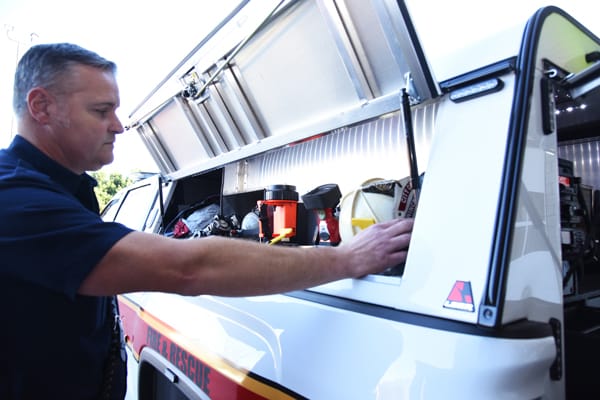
(108, 158)
(101, 163)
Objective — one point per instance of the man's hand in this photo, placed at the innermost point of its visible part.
(379, 247)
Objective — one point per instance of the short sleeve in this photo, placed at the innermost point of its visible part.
(50, 239)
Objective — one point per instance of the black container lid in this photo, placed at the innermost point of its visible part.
(281, 192)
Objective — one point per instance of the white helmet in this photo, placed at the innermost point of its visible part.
(377, 200)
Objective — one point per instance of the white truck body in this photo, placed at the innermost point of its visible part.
(498, 298)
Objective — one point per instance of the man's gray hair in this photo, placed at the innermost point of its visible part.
(44, 65)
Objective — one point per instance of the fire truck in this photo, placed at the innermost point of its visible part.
(329, 113)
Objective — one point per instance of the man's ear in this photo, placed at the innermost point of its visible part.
(38, 102)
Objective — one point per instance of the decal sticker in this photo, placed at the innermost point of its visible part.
(216, 377)
(186, 363)
(460, 297)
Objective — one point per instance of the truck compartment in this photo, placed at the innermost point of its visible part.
(579, 151)
(379, 145)
(579, 169)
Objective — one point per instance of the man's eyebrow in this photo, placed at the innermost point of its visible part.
(104, 104)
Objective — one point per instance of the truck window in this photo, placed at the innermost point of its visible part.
(110, 210)
(135, 207)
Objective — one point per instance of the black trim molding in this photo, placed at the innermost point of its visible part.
(517, 330)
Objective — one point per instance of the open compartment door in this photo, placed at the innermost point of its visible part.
(278, 72)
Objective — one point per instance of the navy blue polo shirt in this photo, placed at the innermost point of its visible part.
(54, 341)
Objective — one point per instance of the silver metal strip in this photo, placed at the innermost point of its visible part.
(207, 129)
(358, 46)
(222, 120)
(346, 51)
(150, 139)
(191, 117)
(240, 110)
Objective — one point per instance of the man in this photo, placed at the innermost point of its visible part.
(62, 266)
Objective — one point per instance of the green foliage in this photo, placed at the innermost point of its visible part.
(109, 185)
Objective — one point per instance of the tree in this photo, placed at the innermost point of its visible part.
(109, 185)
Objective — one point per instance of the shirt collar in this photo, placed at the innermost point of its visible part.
(26, 151)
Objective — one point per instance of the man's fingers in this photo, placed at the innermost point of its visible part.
(400, 225)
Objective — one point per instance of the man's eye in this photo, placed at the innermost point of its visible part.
(101, 112)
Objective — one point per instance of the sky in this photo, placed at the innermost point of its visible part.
(148, 38)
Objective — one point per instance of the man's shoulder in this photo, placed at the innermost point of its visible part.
(16, 172)
(25, 187)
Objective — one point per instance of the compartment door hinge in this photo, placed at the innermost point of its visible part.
(556, 369)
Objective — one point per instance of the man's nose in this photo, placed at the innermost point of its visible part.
(116, 126)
